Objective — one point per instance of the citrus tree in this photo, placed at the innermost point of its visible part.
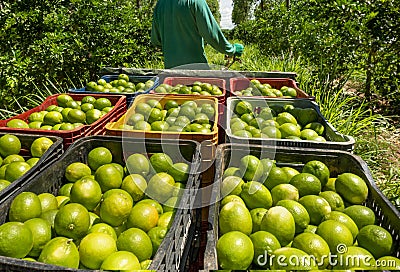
(45, 40)
(335, 37)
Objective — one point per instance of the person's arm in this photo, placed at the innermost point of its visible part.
(209, 29)
(155, 32)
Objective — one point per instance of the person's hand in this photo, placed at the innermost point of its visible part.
(238, 49)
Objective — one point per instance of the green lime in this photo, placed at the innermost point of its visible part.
(17, 123)
(87, 192)
(352, 188)
(137, 242)
(361, 215)
(161, 162)
(284, 260)
(135, 185)
(115, 207)
(9, 145)
(231, 185)
(235, 217)
(15, 170)
(357, 258)
(251, 168)
(95, 248)
(256, 195)
(299, 213)
(307, 184)
(318, 169)
(157, 234)
(77, 170)
(72, 221)
(335, 234)
(275, 176)
(235, 251)
(313, 245)
(160, 187)
(284, 191)
(376, 240)
(334, 200)
(344, 219)
(108, 177)
(16, 240)
(264, 243)
(279, 222)
(50, 253)
(41, 233)
(243, 107)
(121, 261)
(257, 215)
(24, 206)
(142, 216)
(316, 206)
(98, 157)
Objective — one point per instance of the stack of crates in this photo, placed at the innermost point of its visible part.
(69, 136)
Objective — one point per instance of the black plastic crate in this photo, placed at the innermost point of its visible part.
(50, 156)
(335, 140)
(129, 96)
(169, 255)
(338, 162)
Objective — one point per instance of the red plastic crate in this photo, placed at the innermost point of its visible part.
(69, 136)
(237, 84)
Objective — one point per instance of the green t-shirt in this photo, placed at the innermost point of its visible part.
(180, 28)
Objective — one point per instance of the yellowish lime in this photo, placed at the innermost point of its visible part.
(335, 234)
(235, 251)
(235, 217)
(9, 144)
(16, 240)
(143, 216)
(95, 248)
(121, 261)
(25, 206)
(136, 241)
(77, 170)
(115, 207)
(51, 253)
(279, 222)
(41, 233)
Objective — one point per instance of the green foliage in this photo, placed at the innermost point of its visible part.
(214, 7)
(241, 11)
(335, 36)
(42, 40)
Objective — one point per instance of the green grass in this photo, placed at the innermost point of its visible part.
(36, 98)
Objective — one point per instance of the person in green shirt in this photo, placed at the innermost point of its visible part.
(180, 28)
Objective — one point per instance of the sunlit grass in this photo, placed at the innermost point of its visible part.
(36, 98)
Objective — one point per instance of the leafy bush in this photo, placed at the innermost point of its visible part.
(43, 40)
(335, 36)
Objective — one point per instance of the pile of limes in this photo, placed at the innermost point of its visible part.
(258, 89)
(13, 165)
(276, 122)
(105, 216)
(282, 218)
(68, 114)
(197, 88)
(120, 85)
(190, 116)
